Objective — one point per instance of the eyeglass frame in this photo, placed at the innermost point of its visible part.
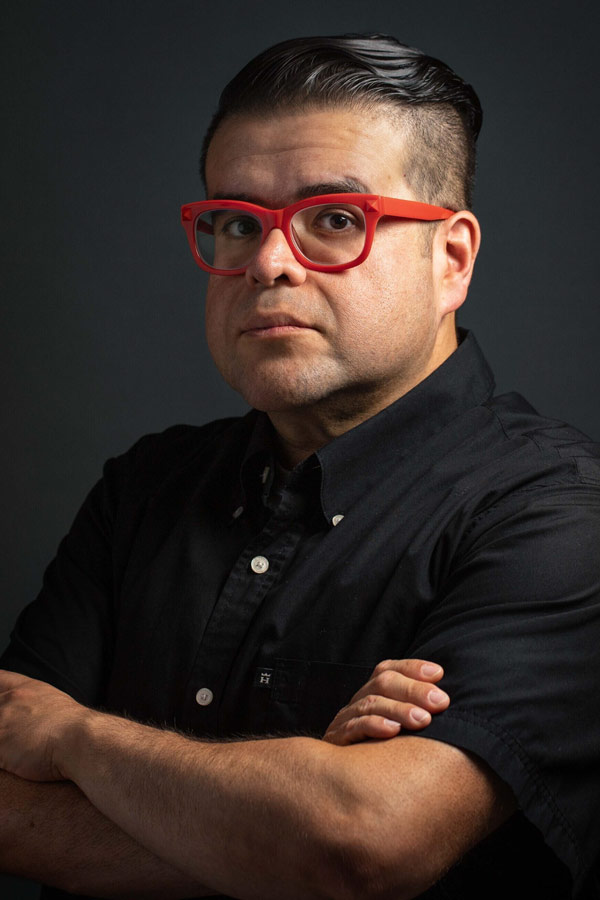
(373, 206)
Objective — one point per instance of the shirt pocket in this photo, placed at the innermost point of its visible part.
(306, 694)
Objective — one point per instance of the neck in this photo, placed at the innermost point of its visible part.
(304, 429)
(301, 432)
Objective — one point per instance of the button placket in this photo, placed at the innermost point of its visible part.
(240, 597)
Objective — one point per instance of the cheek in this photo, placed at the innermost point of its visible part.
(209, 320)
(388, 307)
(214, 324)
(218, 300)
(370, 300)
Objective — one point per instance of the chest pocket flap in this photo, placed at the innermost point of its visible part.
(306, 694)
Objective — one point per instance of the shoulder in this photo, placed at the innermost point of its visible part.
(543, 440)
(513, 457)
(158, 457)
(538, 480)
(181, 442)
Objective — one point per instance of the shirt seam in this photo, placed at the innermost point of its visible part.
(508, 499)
(513, 744)
(570, 460)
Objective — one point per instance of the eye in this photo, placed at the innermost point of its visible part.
(237, 226)
(335, 220)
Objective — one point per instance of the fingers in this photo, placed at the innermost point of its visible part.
(419, 669)
(375, 716)
(406, 713)
(392, 685)
(400, 694)
(361, 728)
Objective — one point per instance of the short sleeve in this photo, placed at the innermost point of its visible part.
(517, 630)
(65, 636)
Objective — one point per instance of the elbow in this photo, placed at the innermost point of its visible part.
(362, 862)
(362, 842)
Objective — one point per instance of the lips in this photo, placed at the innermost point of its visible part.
(278, 322)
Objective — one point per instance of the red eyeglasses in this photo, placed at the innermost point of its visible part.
(327, 233)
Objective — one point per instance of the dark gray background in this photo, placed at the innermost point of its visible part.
(106, 103)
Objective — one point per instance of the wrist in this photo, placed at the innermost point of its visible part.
(93, 744)
(73, 742)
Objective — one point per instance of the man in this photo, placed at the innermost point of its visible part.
(243, 578)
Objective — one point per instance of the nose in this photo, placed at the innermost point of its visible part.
(274, 262)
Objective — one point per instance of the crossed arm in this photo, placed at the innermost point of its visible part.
(50, 832)
(256, 819)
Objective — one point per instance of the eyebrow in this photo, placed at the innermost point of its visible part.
(340, 186)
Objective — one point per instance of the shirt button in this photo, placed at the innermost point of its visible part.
(259, 564)
(204, 697)
(336, 520)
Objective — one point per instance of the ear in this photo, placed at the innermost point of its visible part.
(455, 247)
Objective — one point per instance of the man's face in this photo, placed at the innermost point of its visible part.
(290, 338)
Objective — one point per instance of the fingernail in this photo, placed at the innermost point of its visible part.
(419, 715)
(391, 723)
(436, 697)
(430, 669)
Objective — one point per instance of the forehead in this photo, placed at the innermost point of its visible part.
(271, 160)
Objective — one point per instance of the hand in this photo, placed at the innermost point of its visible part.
(401, 693)
(33, 719)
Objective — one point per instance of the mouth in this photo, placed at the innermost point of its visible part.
(274, 325)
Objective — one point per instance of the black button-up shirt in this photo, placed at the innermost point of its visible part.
(201, 588)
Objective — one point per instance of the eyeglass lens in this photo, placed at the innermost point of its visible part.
(328, 235)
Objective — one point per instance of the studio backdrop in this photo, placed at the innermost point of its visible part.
(105, 105)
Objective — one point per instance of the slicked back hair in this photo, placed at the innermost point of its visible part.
(439, 113)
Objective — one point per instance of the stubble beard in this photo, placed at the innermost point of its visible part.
(339, 396)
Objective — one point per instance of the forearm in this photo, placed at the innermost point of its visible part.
(261, 819)
(256, 819)
(50, 832)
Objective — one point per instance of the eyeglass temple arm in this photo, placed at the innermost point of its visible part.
(412, 209)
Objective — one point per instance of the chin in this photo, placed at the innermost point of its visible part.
(279, 390)
(276, 385)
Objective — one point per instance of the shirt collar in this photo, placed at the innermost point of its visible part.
(353, 461)
(357, 458)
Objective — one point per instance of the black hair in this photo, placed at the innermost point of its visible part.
(440, 113)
